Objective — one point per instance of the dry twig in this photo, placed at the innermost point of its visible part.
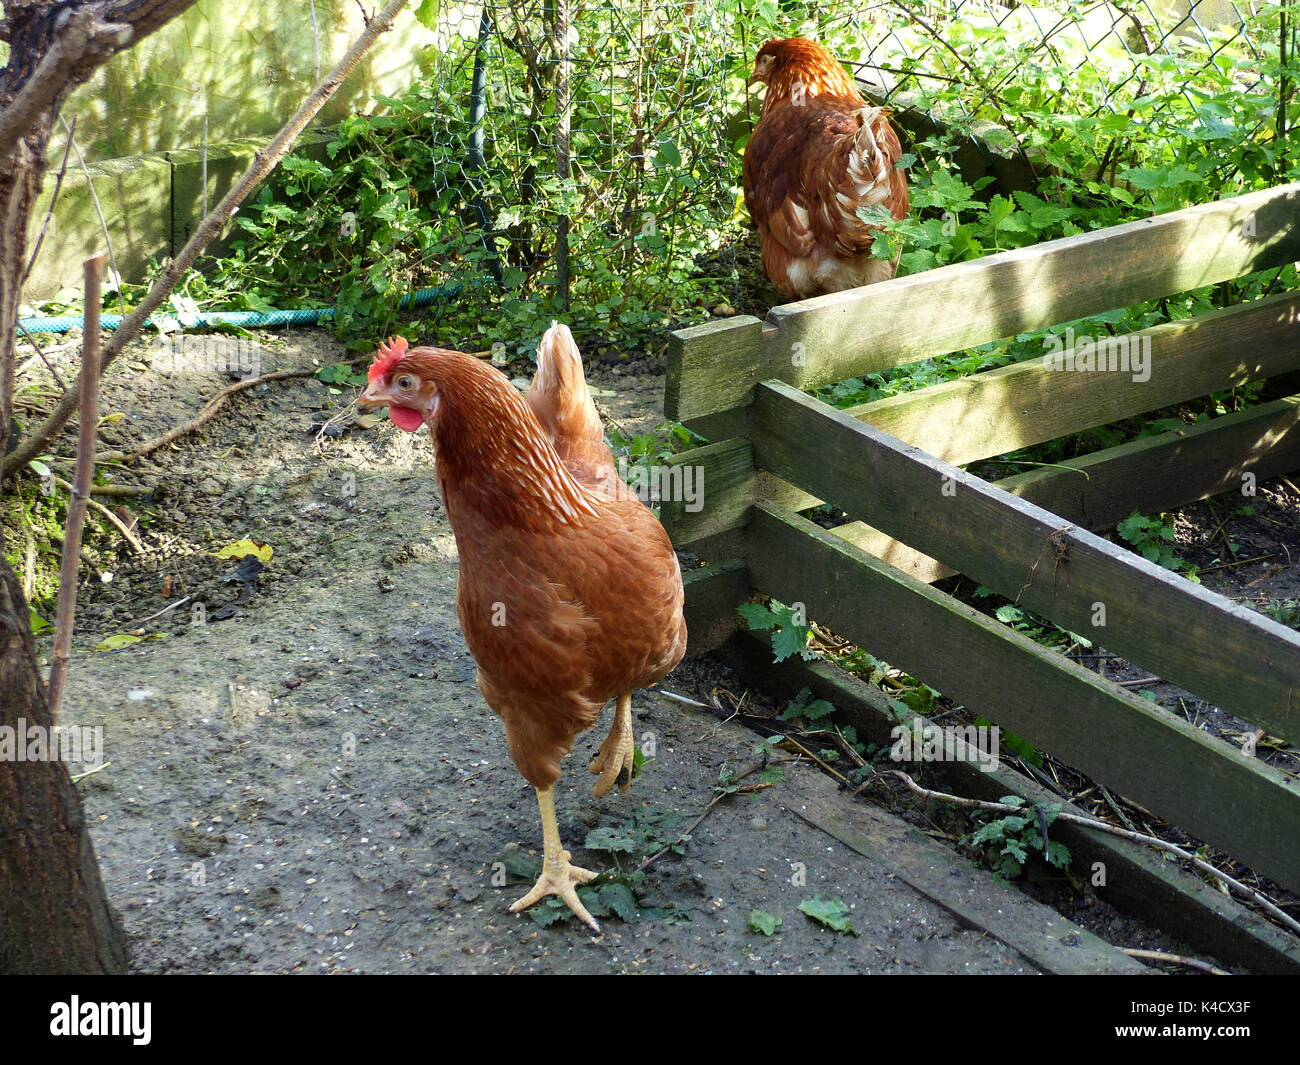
(94, 267)
(1091, 822)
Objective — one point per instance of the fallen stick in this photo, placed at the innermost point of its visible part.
(204, 416)
(117, 522)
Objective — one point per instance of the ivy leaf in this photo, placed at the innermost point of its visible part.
(764, 922)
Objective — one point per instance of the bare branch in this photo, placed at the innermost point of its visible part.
(81, 485)
(84, 37)
(263, 163)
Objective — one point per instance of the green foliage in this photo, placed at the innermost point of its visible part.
(341, 374)
(789, 627)
(830, 913)
(1283, 611)
(611, 894)
(1006, 842)
(1151, 538)
(763, 922)
(803, 707)
(642, 457)
(647, 830)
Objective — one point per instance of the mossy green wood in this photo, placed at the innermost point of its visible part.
(1029, 402)
(712, 595)
(714, 367)
(1234, 453)
(1220, 650)
(1157, 759)
(723, 473)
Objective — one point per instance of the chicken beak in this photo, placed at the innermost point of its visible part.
(375, 395)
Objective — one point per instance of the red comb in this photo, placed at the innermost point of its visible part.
(391, 352)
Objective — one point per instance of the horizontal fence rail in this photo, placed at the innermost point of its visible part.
(1222, 651)
(1159, 760)
(714, 368)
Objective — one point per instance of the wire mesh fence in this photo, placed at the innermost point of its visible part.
(594, 147)
(598, 146)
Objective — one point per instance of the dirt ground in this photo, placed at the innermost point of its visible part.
(304, 777)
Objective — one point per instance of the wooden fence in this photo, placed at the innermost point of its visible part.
(891, 465)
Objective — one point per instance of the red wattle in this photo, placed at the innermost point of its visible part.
(406, 418)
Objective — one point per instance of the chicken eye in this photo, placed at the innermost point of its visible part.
(405, 383)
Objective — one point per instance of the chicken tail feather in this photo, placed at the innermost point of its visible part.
(559, 395)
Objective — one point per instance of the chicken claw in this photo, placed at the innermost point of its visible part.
(559, 875)
(616, 759)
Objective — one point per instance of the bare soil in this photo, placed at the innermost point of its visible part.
(303, 776)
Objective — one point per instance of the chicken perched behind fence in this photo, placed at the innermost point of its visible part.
(818, 153)
(570, 593)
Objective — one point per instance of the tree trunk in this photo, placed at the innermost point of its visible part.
(54, 915)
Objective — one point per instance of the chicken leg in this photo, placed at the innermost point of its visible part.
(559, 875)
(618, 753)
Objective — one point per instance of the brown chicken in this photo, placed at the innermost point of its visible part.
(818, 153)
(570, 594)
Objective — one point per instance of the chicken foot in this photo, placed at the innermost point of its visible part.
(616, 760)
(559, 875)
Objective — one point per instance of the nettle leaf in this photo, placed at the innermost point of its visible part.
(763, 922)
(758, 617)
(549, 912)
(620, 901)
(832, 913)
(612, 839)
(791, 640)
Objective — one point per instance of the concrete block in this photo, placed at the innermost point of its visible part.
(134, 194)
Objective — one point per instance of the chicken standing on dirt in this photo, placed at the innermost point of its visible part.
(570, 594)
(818, 153)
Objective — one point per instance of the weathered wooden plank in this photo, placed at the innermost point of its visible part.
(895, 552)
(701, 357)
(1203, 785)
(1048, 940)
(712, 594)
(1224, 652)
(723, 475)
(1153, 473)
(1139, 880)
(1026, 403)
(714, 367)
(1226, 454)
